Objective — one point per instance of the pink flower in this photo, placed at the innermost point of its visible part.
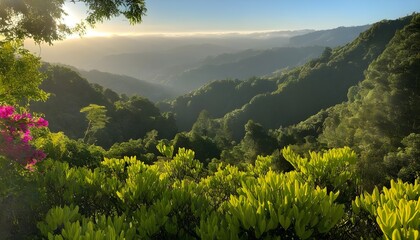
(6, 111)
(17, 117)
(42, 122)
(26, 137)
(26, 115)
(15, 135)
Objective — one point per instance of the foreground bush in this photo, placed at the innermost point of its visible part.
(177, 198)
(396, 209)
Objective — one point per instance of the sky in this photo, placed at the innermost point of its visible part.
(220, 16)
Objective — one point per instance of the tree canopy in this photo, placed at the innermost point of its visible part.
(42, 20)
(97, 119)
(19, 75)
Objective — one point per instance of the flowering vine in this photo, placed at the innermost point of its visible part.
(15, 136)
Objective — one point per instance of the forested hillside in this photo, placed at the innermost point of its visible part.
(217, 98)
(321, 83)
(382, 115)
(130, 117)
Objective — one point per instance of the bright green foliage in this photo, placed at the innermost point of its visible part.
(97, 120)
(66, 223)
(142, 185)
(262, 165)
(118, 168)
(282, 201)
(396, 209)
(59, 147)
(333, 169)
(177, 199)
(58, 216)
(277, 204)
(156, 205)
(216, 227)
(141, 193)
(63, 185)
(165, 150)
(19, 75)
(223, 184)
(183, 165)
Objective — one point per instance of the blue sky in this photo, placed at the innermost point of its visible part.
(184, 16)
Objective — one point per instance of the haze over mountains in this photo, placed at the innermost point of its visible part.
(185, 63)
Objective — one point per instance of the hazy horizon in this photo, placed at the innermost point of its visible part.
(162, 59)
(191, 16)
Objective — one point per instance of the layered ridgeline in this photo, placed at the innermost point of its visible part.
(259, 62)
(243, 65)
(129, 118)
(287, 97)
(319, 84)
(249, 63)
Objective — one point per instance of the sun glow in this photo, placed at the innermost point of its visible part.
(71, 19)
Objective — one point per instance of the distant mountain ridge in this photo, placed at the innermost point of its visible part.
(329, 38)
(243, 65)
(257, 62)
(129, 85)
(156, 66)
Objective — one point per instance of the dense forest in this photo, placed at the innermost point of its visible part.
(325, 150)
